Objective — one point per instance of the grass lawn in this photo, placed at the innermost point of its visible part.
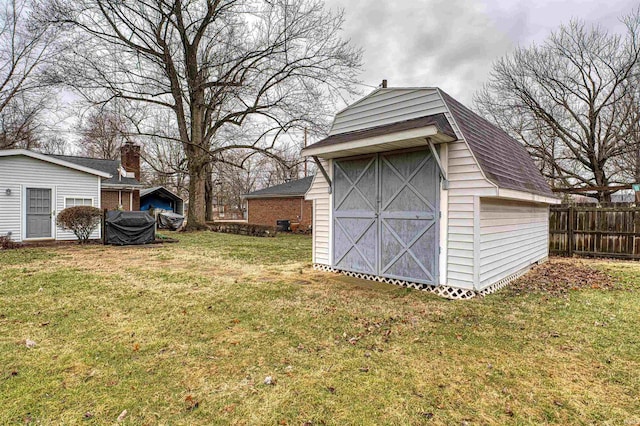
(187, 333)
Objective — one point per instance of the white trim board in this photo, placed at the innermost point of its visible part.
(403, 139)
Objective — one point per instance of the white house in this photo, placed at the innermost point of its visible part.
(415, 189)
(35, 187)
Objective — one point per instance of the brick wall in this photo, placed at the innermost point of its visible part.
(111, 199)
(266, 211)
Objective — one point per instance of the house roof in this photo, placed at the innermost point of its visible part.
(55, 160)
(108, 166)
(148, 191)
(294, 188)
(502, 159)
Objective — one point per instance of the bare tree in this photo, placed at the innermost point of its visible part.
(26, 52)
(213, 64)
(571, 101)
(53, 145)
(103, 133)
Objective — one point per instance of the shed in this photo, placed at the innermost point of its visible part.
(280, 202)
(161, 198)
(416, 189)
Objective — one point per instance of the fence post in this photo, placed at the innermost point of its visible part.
(570, 226)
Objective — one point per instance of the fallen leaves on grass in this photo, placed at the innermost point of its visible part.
(192, 403)
(559, 276)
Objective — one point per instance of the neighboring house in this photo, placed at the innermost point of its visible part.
(122, 189)
(34, 187)
(224, 212)
(416, 189)
(578, 199)
(161, 198)
(281, 202)
(623, 197)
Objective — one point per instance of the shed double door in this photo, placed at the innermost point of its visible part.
(385, 215)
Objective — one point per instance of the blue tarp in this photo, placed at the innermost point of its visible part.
(155, 202)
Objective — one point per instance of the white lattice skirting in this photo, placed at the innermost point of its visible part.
(446, 291)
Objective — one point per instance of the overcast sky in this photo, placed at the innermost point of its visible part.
(452, 43)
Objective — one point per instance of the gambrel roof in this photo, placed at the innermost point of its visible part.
(503, 160)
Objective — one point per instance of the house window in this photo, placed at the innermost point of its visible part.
(73, 202)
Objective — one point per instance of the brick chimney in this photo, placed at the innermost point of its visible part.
(130, 158)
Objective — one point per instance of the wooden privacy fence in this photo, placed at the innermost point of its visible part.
(595, 231)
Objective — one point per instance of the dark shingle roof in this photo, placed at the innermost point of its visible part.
(146, 191)
(295, 188)
(438, 120)
(108, 166)
(503, 160)
(151, 190)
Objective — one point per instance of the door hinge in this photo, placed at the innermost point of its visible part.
(440, 215)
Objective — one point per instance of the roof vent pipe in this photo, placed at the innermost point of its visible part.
(384, 83)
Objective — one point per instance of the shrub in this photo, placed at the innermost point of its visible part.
(82, 220)
(6, 243)
(244, 229)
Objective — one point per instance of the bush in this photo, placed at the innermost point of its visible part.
(82, 220)
(6, 243)
(244, 229)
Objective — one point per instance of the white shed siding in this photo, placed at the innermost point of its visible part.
(386, 107)
(20, 172)
(465, 182)
(319, 193)
(513, 235)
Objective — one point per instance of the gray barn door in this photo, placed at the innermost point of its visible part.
(386, 210)
(355, 225)
(409, 210)
(38, 213)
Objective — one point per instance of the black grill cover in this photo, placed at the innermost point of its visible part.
(127, 228)
(170, 220)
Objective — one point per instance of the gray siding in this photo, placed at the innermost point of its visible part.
(319, 193)
(20, 172)
(386, 106)
(513, 235)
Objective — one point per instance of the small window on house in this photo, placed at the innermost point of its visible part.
(73, 202)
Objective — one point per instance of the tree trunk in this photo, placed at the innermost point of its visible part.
(196, 219)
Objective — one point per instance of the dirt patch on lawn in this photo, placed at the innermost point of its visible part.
(559, 276)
